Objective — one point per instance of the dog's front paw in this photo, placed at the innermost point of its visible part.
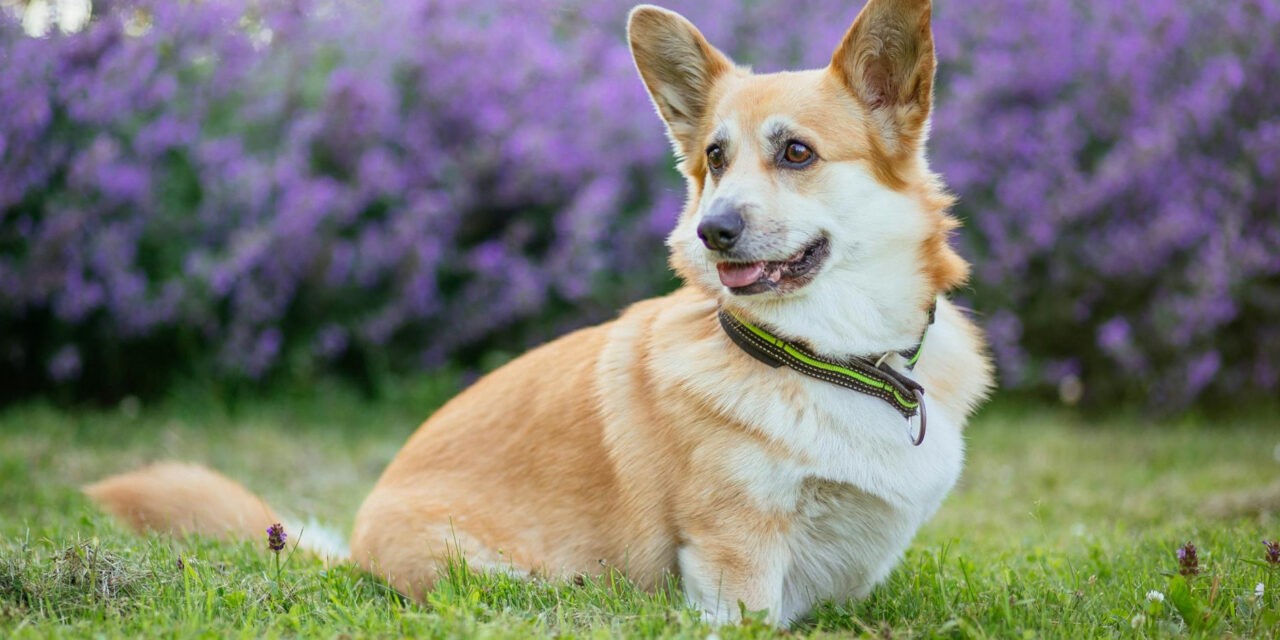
(723, 613)
(718, 615)
(737, 614)
(724, 600)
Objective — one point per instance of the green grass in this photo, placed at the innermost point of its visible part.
(1059, 528)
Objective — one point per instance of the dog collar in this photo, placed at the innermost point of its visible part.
(860, 373)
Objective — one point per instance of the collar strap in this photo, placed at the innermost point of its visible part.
(859, 373)
(912, 355)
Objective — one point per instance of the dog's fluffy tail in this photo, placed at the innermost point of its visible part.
(180, 498)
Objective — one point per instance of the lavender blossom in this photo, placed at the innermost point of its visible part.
(177, 186)
(276, 537)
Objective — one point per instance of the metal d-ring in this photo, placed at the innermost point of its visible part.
(916, 440)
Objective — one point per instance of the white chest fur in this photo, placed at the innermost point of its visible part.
(858, 498)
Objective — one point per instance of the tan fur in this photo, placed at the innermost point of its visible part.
(654, 46)
(524, 450)
(652, 443)
(887, 60)
(173, 497)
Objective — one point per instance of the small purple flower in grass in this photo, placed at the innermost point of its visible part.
(1273, 551)
(1188, 561)
(276, 537)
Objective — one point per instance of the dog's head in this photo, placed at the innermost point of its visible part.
(810, 199)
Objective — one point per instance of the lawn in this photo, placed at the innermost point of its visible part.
(1061, 527)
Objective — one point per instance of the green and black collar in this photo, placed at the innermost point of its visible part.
(860, 373)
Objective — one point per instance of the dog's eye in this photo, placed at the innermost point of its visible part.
(715, 158)
(797, 153)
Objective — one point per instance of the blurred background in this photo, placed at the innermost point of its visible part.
(249, 193)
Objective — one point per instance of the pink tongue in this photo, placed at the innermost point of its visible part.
(739, 275)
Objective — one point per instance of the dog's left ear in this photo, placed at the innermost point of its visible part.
(887, 61)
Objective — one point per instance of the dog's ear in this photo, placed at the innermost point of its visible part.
(679, 68)
(887, 61)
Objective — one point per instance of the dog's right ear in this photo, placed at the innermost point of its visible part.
(679, 68)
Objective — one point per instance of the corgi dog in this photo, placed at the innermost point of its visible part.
(773, 433)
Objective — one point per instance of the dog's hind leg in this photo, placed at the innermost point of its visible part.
(399, 538)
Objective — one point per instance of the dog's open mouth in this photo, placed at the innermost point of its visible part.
(746, 278)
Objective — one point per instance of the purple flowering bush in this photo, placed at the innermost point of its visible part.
(253, 186)
(1119, 170)
(240, 188)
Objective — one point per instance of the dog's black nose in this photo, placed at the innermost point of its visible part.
(721, 227)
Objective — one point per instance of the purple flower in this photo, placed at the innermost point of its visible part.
(276, 537)
(65, 365)
(1188, 561)
(1273, 551)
